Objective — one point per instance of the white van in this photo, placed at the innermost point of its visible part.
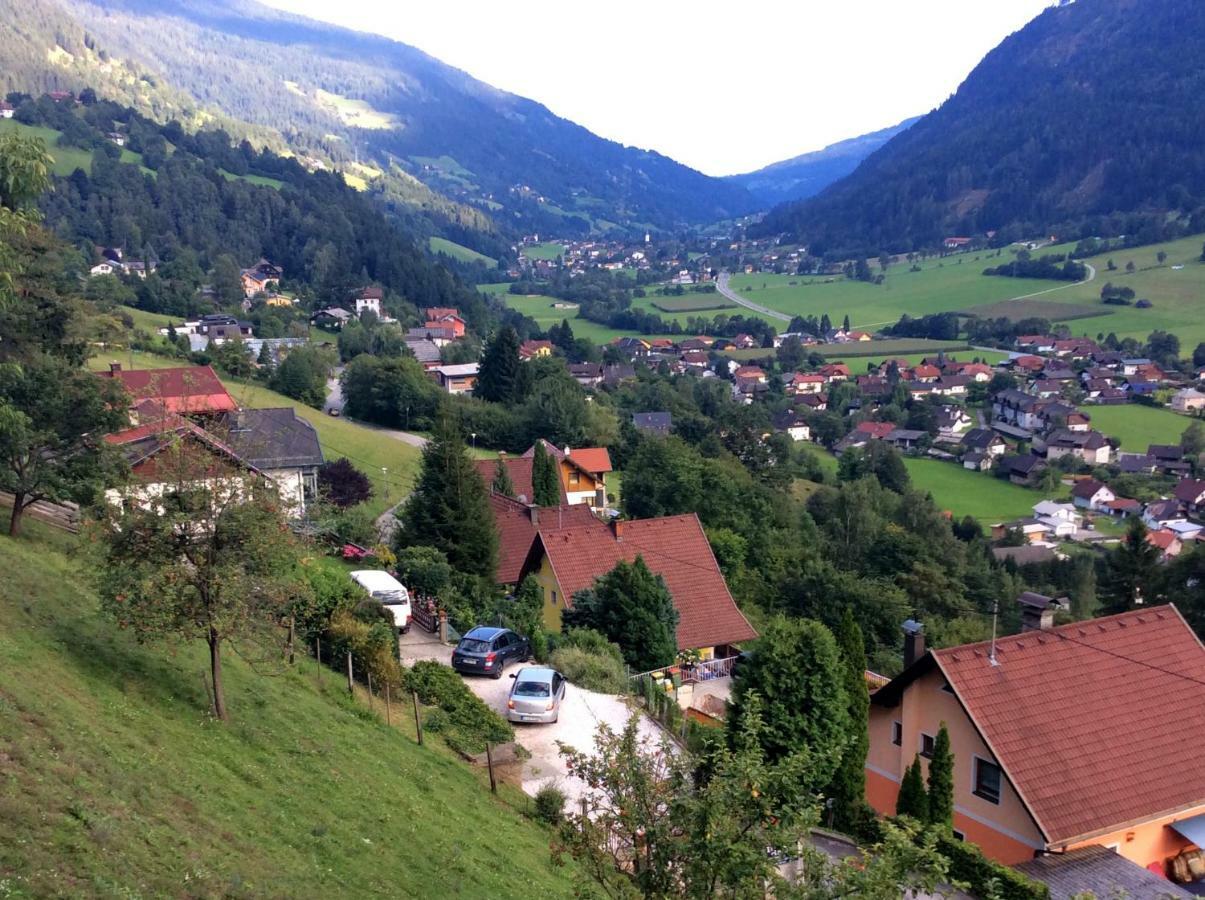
(391, 592)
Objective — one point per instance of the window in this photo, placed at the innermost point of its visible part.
(987, 780)
(959, 836)
(897, 733)
(926, 745)
(554, 598)
(309, 485)
(574, 477)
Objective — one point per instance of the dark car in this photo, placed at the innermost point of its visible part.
(488, 650)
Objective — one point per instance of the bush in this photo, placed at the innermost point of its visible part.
(469, 723)
(968, 864)
(593, 671)
(591, 641)
(550, 804)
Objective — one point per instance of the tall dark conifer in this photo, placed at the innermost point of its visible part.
(500, 364)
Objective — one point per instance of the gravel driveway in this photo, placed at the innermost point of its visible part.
(581, 713)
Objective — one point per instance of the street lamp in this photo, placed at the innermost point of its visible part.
(473, 435)
(384, 481)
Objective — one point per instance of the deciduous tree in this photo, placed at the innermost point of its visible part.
(633, 608)
(342, 484)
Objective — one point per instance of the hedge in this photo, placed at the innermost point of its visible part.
(465, 722)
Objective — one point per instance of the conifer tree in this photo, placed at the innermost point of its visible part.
(941, 780)
(913, 800)
(502, 483)
(848, 790)
(498, 379)
(545, 482)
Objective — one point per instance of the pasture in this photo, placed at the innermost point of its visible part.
(460, 252)
(965, 493)
(1138, 426)
(540, 308)
(691, 303)
(1054, 310)
(545, 250)
(65, 160)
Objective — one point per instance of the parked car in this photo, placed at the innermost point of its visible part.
(391, 592)
(536, 695)
(488, 650)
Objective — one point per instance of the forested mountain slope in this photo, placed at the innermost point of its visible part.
(1090, 120)
(342, 95)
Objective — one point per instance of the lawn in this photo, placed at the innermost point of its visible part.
(691, 303)
(942, 285)
(1137, 426)
(545, 250)
(262, 180)
(65, 160)
(119, 784)
(540, 308)
(965, 493)
(460, 252)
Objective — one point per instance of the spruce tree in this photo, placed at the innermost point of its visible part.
(845, 325)
(848, 790)
(545, 481)
(449, 509)
(941, 781)
(634, 609)
(502, 483)
(500, 366)
(912, 800)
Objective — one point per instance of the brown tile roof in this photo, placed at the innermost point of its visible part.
(185, 389)
(516, 531)
(519, 469)
(673, 547)
(1093, 721)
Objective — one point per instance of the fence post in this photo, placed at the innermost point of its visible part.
(443, 627)
(351, 685)
(318, 656)
(370, 698)
(489, 760)
(418, 721)
(388, 707)
(292, 636)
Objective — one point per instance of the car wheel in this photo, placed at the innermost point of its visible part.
(497, 673)
(526, 655)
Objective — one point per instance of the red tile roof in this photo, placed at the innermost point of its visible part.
(1162, 539)
(519, 469)
(1096, 723)
(875, 429)
(673, 547)
(591, 459)
(187, 389)
(516, 531)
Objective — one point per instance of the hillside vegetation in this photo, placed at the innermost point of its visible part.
(119, 784)
(1088, 121)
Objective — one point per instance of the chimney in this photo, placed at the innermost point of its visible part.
(914, 641)
(617, 528)
(114, 368)
(533, 512)
(1037, 611)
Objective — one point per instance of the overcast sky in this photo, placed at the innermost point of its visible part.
(724, 87)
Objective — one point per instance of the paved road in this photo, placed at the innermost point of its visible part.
(1061, 287)
(721, 285)
(581, 713)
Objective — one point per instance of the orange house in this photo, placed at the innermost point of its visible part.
(1063, 737)
(583, 472)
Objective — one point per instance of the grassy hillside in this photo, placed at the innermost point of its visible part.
(460, 252)
(119, 784)
(65, 160)
(966, 493)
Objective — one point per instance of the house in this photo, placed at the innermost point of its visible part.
(439, 335)
(457, 379)
(977, 461)
(259, 279)
(105, 267)
(425, 352)
(1167, 542)
(834, 372)
(6, 110)
(1062, 736)
(1090, 446)
(1187, 400)
(956, 243)
(984, 440)
(281, 445)
(531, 349)
(1089, 493)
(1060, 517)
(446, 317)
(587, 374)
(674, 547)
(862, 434)
(793, 423)
(331, 317)
(658, 424)
(583, 472)
(749, 374)
(615, 375)
(1022, 468)
(369, 301)
(1159, 513)
(904, 438)
(186, 390)
(518, 470)
(1123, 507)
(1190, 492)
(1017, 408)
(519, 522)
(952, 421)
(1098, 872)
(799, 383)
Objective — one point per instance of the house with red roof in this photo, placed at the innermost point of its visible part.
(518, 523)
(187, 390)
(1063, 737)
(583, 472)
(800, 383)
(569, 560)
(834, 372)
(446, 317)
(531, 349)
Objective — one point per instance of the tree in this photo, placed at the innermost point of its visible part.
(1193, 440)
(796, 669)
(449, 509)
(845, 326)
(498, 379)
(632, 607)
(226, 280)
(1198, 355)
(425, 571)
(1129, 571)
(302, 375)
(941, 780)
(913, 800)
(204, 561)
(502, 483)
(848, 789)
(1161, 256)
(545, 480)
(663, 477)
(51, 415)
(342, 484)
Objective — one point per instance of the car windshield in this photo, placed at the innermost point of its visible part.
(390, 596)
(532, 689)
(472, 645)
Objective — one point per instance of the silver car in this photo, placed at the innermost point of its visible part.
(535, 695)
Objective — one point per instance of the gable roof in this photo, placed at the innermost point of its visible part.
(273, 438)
(184, 389)
(1087, 488)
(1098, 870)
(591, 460)
(1089, 720)
(1189, 490)
(519, 470)
(517, 531)
(673, 547)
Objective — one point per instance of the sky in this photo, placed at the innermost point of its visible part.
(724, 87)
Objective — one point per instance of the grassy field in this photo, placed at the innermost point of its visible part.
(1137, 427)
(540, 308)
(1054, 310)
(262, 180)
(545, 250)
(942, 285)
(119, 784)
(965, 493)
(369, 448)
(460, 252)
(65, 160)
(691, 303)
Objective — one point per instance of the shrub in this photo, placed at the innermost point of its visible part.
(593, 671)
(469, 723)
(592, 642)
(550, 804)
(968, 864)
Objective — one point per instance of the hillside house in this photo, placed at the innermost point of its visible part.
(800, 383)
(1090, 446)
(448, 319)
(369, 301)
(1091, 494)
(1063, 737)
(457, 379)
(793, 423)
(281, 445)
(532, 349)
(953, 421)
(1023, 469)
(1188, 400)
(833, 372)
(519, 522)
(657, 424)
(185, 390)
(984, 440)
(331, 317)
(1167, 542)
(1190, 492)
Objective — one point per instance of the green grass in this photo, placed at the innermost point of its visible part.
(118, 783)
(262, 180)
(460, 252)
(941, 286)
(545, 250)
(148, 321)
(1137, 427)
(691, 303)
(65, 160)
(965, 493)
(540, 308)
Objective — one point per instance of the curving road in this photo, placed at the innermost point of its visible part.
(721, 285)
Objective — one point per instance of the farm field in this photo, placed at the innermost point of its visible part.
(942, 285)
(692, 303)
(545, 250)
(1054, 310)
(262, 180)
(539, 307)
(459, 251)
(1138, 426)
(965, 493)
(119, 784)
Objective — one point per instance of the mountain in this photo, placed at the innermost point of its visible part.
(808, 174)
(359, 101)
(1090, 120)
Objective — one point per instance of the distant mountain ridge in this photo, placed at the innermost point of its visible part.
(349, 97)
(1089, 120)
(808, 174)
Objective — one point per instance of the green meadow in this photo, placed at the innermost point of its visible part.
(459, 252)
(965, 493)
(65, 160)
(1137, 426)
(544, 250)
